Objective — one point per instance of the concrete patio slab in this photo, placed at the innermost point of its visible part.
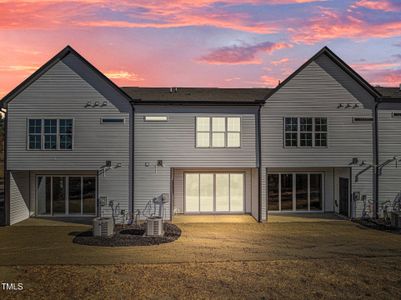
(188, 219)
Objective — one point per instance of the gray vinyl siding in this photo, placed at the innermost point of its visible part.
(174, 143)
(314, 92)
(345, 80)
(19, 196)
(389, 146)
(63, 92)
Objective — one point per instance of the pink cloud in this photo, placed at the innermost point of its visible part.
(330, 24)
(269, 81)
(52, 14)
(245, 54)
(184, 21)
(362, 67)
(280, 61)
(384, 5)
(385, 78)
(232, 79)
(384, 73)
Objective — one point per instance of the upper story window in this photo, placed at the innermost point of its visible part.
(218, 132)
(50, 134)
(65, 133)
(305, 132)
(35, 134)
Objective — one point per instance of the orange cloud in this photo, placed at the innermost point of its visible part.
(245, 54)
(18, 68)
(127, 76)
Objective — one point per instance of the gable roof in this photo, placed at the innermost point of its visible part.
(338, 61)
(43, 69)
(239, 96)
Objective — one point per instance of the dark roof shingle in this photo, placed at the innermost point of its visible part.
(389, 92)
(197, 95)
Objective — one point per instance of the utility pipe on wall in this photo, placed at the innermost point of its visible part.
(376, 160)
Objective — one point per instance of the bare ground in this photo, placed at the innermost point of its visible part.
(288, 260)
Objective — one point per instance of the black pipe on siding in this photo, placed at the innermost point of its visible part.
(6, 209)
(259, 147)
(99, 206)
(376, 160)
(132, 161)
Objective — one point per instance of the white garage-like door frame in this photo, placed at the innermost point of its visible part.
(214, 190)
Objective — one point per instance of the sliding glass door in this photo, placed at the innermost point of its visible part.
(295, 191)
(75, 195)
(214, 192)
(66, 195)
(59, 196)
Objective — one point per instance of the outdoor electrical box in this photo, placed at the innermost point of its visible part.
(356, 196)
(103, 200)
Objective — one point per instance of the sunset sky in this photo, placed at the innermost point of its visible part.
(227, 43)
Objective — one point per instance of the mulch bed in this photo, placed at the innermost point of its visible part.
(378, 224)
(129, 236)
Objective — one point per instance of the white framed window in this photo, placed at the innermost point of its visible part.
(203, 132)
(233, 132)
(305, 132)
(50, 134)
(218, 132)
(295, 191)
(320, 132)
(65, 133)
(35, 134)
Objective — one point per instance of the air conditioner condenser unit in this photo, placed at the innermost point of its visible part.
(103, 227)
(154, 226)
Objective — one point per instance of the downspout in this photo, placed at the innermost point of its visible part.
(99, 206)
(132, 160)
(259, 164)
(6, 210)
(376, 160)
